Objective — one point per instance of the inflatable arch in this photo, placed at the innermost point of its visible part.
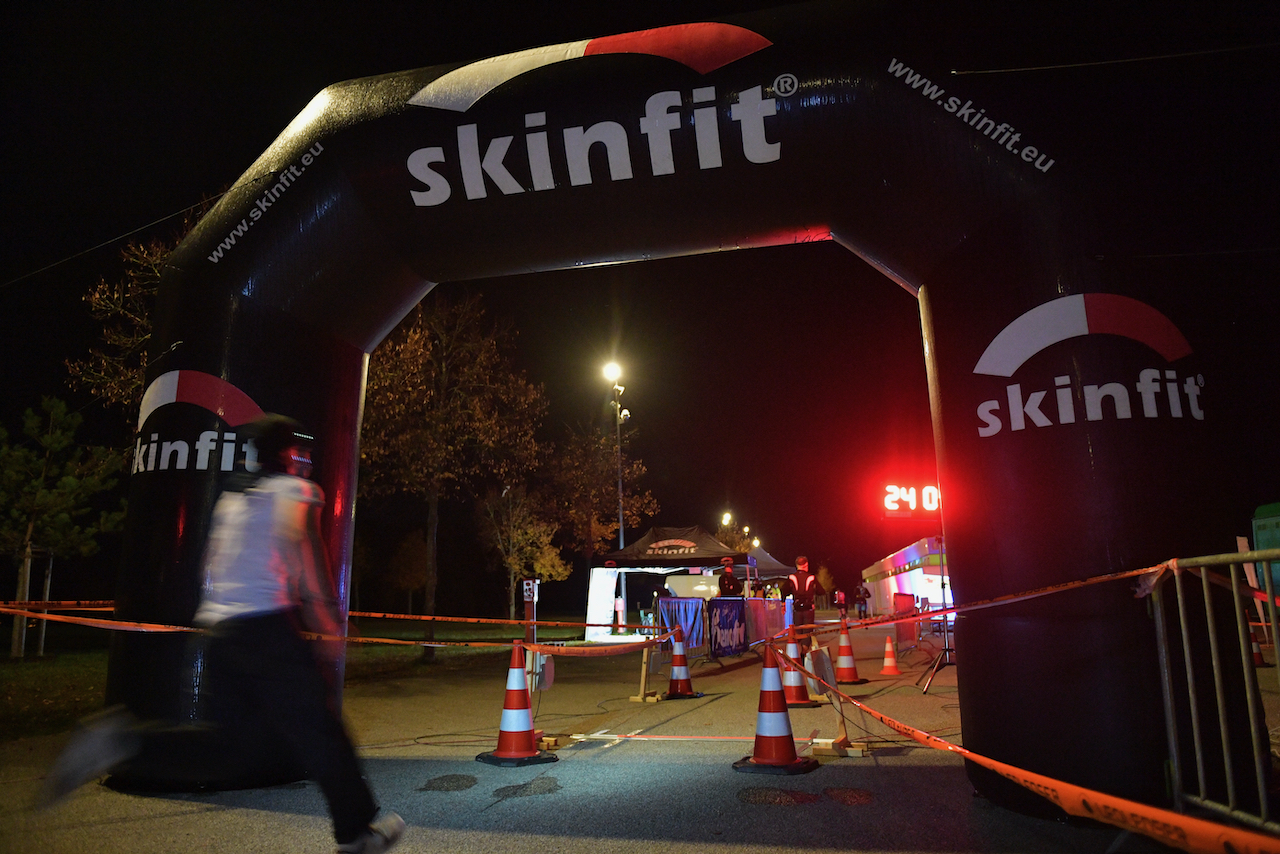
(1066, 214)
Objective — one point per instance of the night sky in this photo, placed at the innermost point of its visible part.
(786, 385)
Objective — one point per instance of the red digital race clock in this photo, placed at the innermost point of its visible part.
(910, 502)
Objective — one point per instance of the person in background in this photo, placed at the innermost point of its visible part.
(841, 604)
(730, 584)
(803, 589)
(860, 596)
(266, 581)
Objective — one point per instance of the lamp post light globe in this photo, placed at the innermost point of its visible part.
(613, 373)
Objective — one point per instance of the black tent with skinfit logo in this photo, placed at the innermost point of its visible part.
(660, 551)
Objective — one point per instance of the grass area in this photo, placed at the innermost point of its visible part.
(39, 696)
(42, 696)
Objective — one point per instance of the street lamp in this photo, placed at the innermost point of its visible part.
(613, 372)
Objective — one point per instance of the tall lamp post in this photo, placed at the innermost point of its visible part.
(612, 373)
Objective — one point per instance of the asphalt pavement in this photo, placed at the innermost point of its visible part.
(629, 776)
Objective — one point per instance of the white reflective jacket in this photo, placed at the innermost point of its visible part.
(264, 555)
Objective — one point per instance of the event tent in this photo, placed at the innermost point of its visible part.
(662, 551)
(673, 548)
(765, 565)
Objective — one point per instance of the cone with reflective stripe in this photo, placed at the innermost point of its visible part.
(794, 688)
(775, 748)
(846, 665)
(890, 659)
(680, 687)
(516, 743)
(1258, 660)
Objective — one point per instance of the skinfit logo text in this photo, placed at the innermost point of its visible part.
(1160, 392)
(211, 451)
(1170, 395)
(672, 547)
(482, 160)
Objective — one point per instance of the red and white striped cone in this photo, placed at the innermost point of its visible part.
(890, 659)
(775, 748)
(516, 743)
(794, 688)
(1258, 660)
(680, 687)
(846, 665)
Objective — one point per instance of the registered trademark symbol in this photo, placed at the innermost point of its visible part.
(1200, 380)
(785, 85)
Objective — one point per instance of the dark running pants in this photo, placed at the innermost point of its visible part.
(267, 692)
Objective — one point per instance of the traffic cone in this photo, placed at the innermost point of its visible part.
(794, 690)
(775, 748)
(846, 665)
(890, 659)
(680, 688)
(1258, 660)
(516, 743)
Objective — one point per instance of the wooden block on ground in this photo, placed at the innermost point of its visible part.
(828, 747)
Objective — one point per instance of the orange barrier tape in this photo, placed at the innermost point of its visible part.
(878, 622)
(546, 649)
(101, 624)
(622, 736)
(1194, 835)
(816, 628)
(599, 650)
(593, 651)
(621, 648)
(28, 609)
(489, 620)
(65, 605)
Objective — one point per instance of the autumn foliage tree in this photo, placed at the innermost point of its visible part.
(446, 413)
(445, 416)
(731, 536)
(583, 474)
(825, 578)
(408, 567)
(114, 371)
(515, 526)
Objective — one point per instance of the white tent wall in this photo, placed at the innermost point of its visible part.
(604, 582)
(700, 585)
(601, 592)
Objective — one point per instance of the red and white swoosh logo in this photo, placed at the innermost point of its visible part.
(213, 393)
(1073, 316)
(704, 47)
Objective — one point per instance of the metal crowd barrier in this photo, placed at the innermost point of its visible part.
(1224, 572)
